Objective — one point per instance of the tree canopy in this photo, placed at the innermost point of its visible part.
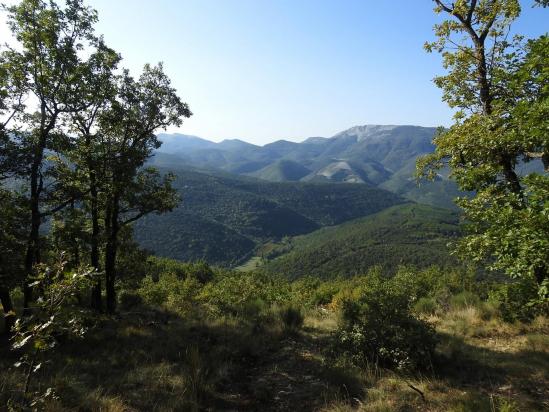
(497, 146)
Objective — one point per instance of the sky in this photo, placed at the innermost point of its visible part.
(263, 70)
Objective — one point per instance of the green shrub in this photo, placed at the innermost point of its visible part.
(464, 299)
(156, 293)
(292, 317)
(379, 327)
(517, 300)
(426, 306)
(170, 290)
(233, 292)
(324, 293)
(201, 271)
(129, 299)
(182, 296)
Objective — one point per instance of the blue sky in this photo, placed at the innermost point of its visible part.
(262, 70)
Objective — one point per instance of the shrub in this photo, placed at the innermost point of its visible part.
(156, 293)
(292, 317)
(171, 291)
(234, 292)
(379, 327)
(463, 300)
(201, 271)
(128, 299)
(426, 306)
(182, 296)
(324, 293)
(517, 300)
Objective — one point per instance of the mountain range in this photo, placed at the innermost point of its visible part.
(239, 198)
(382, 156)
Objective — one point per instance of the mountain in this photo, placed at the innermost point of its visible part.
(404, 234)
(282, 171)
(223, 217)
(382, 156)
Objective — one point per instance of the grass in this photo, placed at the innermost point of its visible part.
(152, 360)
(252, 264)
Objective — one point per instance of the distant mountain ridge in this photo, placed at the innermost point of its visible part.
(380, 155)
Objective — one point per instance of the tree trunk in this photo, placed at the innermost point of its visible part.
(540, 273)
(111, 251)
(7, 305)
(96, 301)
(36, 186)
(33, 244)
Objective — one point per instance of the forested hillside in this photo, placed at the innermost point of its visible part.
(408, 234)
(223, 217)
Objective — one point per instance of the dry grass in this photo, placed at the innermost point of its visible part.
(485, 365)
(157, 361)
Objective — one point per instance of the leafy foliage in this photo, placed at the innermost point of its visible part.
(55, 317)
(500, 90)
(379, 327)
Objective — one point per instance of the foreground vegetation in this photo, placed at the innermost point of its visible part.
(189, 337)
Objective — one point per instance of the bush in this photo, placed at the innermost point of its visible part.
(517, 300)
(171, 291)
(201, 271)
(182, 296)
(234, 292)
(292, 318)
(463, 300)
(379, 327)
(128, 299)
(426, 306)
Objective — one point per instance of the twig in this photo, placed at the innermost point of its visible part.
(418, 391)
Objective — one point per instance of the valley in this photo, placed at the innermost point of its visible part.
(237, 197)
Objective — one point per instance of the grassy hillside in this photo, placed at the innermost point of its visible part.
(405, 234)
(223, 217)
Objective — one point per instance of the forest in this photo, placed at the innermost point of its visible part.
(120, 282)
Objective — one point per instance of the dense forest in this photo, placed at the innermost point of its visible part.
(409, 234)
(249, 212)
(118, 277)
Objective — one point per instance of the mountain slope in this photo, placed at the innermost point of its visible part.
(404, 234)
(282, 171)
(223, 217)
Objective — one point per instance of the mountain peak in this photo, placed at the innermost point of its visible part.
(316, 140)
(235, 143)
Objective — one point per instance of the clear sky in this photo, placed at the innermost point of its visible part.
(262, 70)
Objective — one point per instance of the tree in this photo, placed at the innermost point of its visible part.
(45, 68)
(140, 109)
(499, 88)
(97, 91)
(12, 242)
(12, 224)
